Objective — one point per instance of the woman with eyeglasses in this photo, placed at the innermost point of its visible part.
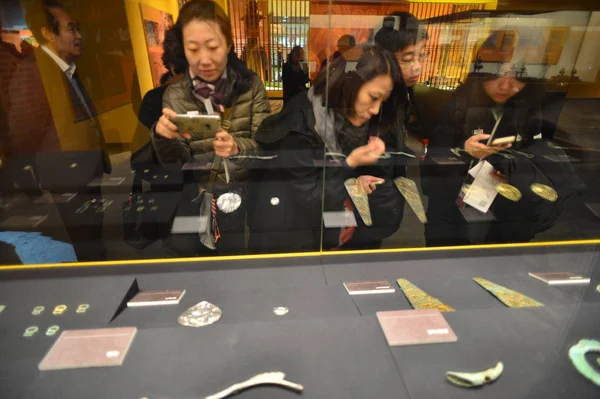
(494, 117)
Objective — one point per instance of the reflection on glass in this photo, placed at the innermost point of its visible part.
(138, 130)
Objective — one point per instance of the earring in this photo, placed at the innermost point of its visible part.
(515, 89)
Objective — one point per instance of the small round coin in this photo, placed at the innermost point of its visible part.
(280, 310)
(546, 192)
(509, 192)
(229, 202)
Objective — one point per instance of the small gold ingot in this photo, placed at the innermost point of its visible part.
(52, 330)
(30, 331)
(509, 192)
(37, 310)
(59, 309)
(82, 308)
(546, 192)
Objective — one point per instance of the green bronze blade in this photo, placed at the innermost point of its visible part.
(419, 299)
(410, 192)
(360, 199)
(510, 298)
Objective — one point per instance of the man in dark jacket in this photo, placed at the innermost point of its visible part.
(55, 134)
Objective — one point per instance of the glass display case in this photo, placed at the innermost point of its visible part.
(272, 198)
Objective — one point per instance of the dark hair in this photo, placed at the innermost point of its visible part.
(39, 15)
(340, 89)
(207, 10)
(531, 93)
(173, 55)
(410, 31)
(295, 51)
(165, 77)
(473, 105)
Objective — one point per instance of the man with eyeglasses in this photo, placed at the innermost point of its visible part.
(55, 135)
(405, 36)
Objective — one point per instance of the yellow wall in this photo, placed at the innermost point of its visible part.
(223, 4)
(120, 123)
(138, 41)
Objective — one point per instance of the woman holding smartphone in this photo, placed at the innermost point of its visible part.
(495, 116)
(216, 82)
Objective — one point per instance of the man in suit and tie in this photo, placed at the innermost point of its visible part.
(54, 130)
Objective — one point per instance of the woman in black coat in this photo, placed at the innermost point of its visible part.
(318, 146)
(514, 106)
(293, 76)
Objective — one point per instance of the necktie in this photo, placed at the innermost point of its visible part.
(84, 99)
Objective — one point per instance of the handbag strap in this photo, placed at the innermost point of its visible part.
(217, 160)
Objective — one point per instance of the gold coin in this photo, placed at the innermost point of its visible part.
(509, 192)
(546, 192)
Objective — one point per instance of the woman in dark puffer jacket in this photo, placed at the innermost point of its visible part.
(216, 82)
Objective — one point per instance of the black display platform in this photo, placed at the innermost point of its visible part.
(329, 341)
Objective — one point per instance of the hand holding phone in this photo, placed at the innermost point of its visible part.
(503, 140)
(479, 150)
(166, 128)
(192, 127)
(200, 127)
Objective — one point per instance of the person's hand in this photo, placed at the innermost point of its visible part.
(479, 150)
(224, 144)
(167, 129)
(367, 154)
(368, 183)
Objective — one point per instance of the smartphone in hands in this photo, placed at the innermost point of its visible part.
(200, 127)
